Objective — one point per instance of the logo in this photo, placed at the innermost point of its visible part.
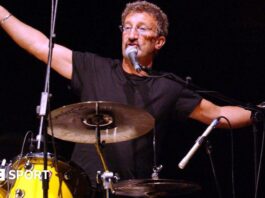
(27, 174)
(2, 174)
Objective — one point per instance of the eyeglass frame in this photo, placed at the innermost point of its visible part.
(140, 30)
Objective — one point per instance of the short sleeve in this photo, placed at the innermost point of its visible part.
(82, 63)
(186, 103)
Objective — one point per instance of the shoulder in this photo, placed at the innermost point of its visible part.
(93, 58)
(168, 80)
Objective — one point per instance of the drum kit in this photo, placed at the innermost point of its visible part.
(95, 123)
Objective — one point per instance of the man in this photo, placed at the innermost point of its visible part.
(94, 78)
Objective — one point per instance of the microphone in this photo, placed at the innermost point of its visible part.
(131, 53)
(198, 143)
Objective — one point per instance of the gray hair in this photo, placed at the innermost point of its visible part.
(150, 8)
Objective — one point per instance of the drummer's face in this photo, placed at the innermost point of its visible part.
(140, 30)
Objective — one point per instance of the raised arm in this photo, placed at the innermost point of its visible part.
(36, 43)
(206, 111)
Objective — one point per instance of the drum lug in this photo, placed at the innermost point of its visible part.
(156, 170)
(28, 165)
(68, 175)
(20, 193)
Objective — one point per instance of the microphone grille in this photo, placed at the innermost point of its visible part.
(130, 49)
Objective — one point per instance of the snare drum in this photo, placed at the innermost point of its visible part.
(64, 180)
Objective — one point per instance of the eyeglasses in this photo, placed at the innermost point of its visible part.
(142, 30)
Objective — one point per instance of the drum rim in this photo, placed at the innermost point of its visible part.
(37, 155)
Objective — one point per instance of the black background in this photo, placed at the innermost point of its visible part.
(220, 44)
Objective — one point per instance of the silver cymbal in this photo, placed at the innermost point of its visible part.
(117, 122)
(155, 188)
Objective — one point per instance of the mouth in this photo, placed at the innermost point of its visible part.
(132, 44)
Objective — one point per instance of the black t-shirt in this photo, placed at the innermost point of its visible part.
(102, 79)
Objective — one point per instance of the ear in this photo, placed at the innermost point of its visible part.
(160, 41)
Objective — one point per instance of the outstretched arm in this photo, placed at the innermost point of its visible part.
(36, 43)
(206, 111)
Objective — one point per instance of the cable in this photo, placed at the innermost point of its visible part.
(18, 160)
(23, 145)
(260, 160)
(232, 155)
(209, 151)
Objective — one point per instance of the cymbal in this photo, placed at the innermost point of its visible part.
(155, 188)
(117, 122)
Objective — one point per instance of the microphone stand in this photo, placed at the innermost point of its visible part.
(258, 112)
(208, 148)
(42, 108)
(188, 84)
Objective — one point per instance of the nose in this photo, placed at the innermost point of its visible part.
(133, 34)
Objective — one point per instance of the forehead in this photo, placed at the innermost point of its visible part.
(138, 18)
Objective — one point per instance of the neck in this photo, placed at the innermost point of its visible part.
(129, 68)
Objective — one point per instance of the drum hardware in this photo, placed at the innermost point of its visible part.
(107, 178)
(19, 193)
(67, 175)
(28, 165)
(156, 170)
(99, 121)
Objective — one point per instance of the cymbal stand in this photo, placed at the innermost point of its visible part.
(156, 168)
(106, 177)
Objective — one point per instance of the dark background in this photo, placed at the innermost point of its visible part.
(220, 44)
